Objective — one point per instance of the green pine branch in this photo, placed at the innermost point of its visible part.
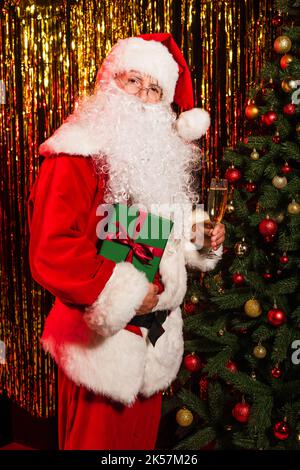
(240, 439)
(283, 126)
(232, 156)
(200, 345)
(255, 169)
(231, 299)
(283, 338)
(215, 402)
(293, 185)
(197, 440)
(259, 142)
(170, 404)
(262, 333)
(270, 197)
(290, 390)
(194, 404)
(217, 363)
(260, 420)
(284, 286)
(245, 384)
(293, 33)
(241, 210)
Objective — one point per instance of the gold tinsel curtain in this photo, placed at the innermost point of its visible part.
(49, 54)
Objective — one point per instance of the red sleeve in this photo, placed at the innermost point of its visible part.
(62, 258)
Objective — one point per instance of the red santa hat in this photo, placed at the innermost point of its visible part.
(158, 55)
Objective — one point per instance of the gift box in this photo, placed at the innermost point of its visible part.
(134, 235)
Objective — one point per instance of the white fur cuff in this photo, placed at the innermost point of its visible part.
(116, 305)
(199, 259)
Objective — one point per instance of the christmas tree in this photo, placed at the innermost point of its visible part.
(239, 385)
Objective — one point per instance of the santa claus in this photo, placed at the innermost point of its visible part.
(122, 143)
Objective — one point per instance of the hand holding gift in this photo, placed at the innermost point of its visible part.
(150, 300)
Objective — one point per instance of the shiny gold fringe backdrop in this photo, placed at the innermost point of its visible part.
(49, 54)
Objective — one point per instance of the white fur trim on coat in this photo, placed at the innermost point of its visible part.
(122, 295)
(199, 259)
(192, 124)
(195, 255)
(112, 366)
(163, 361)
(124, 364)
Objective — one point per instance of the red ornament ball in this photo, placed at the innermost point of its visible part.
(251, 111)
(270, 118)
(192, 362)
(189, 307)
(284, 259)
(285, 60)
(286, 169)
(203, 388)
(276, 317)
(268, 227)
(276, 139)
(250, 187)
(267, 276)
(231, 365)
(289, 109)
(238, 279)
(269, 239)
(241, 412)
(242, 331)
(277, 20)
(281, 430)
(276, 372)
(233, 175)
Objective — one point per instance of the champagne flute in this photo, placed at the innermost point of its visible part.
(216, 205)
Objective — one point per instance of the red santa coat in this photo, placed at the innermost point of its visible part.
(86, 331)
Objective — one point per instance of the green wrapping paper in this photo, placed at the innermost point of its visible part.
(133, 235)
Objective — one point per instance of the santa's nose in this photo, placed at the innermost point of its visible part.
(143, 95)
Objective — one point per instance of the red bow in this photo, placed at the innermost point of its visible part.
(143, 252)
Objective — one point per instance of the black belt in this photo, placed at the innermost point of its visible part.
(153, 321)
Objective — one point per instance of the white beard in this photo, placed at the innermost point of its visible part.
(146, 160)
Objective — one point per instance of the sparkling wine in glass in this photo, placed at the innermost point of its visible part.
(217, 200)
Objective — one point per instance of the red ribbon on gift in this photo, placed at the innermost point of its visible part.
(141, 251)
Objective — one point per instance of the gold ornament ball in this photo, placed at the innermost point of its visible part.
(252, 308)
(279, 217)
(241, 249)
(298, 438)
(194, 299)
(286, 60)
(254, 155)
(230, 207)
(279, 181)
(298, 128)
(184, 417)
(251, 111)
(228, 427)
(282, 44)
(259, 351)
(288, 84)
(293, 207)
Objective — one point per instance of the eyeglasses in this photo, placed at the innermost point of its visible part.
(133, 86)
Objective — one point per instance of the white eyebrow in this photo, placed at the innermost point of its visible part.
(147, 75)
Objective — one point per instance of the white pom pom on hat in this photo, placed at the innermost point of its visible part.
(158, 55)
(192, 124)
